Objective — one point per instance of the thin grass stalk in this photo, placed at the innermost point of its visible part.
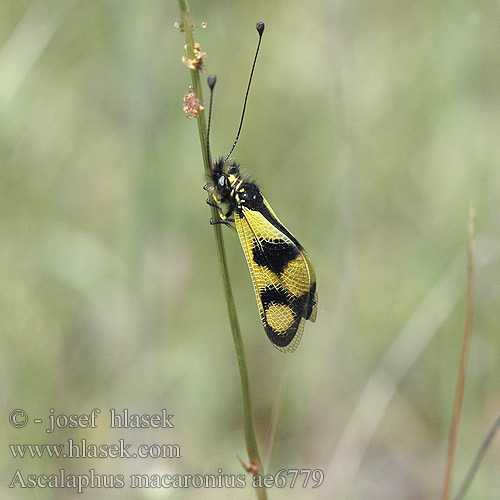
(250, 438)
(462, 371)
(477, 460)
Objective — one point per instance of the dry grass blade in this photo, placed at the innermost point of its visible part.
(462, 371)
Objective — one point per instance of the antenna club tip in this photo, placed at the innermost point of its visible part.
(260, 27)
(211, 80)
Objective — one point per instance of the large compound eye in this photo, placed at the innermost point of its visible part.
(222, 182)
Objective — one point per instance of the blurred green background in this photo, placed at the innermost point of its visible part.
(370, 128)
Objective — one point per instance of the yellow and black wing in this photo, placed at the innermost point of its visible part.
(282, 274)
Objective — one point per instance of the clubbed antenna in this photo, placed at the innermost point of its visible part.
(260, 28)
(211, 80)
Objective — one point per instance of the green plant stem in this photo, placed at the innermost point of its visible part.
(250, 438)
(195, 82)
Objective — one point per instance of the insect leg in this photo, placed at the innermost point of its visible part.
(214, 204)
(226, 222)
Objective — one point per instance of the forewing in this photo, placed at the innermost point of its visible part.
(313, 298)
(282, 275)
